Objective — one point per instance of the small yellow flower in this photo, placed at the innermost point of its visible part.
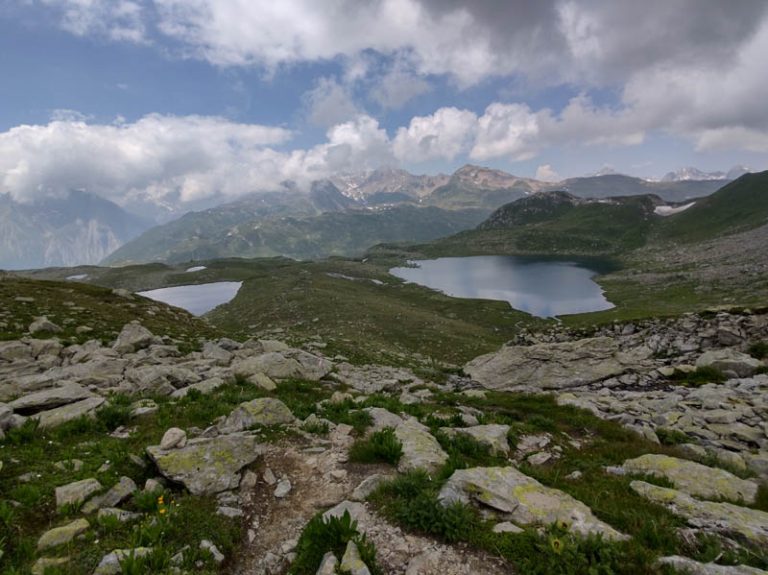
(162, 511)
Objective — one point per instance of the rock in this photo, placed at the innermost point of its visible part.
(14, 350)
(369, 485)
(263, 381)
(381, 419)
(218, 556)
(352, 563)
(6, 415)
(506, 527)
(492, 435)
(65, 413)
(122, 490)
(69, 465)
(522, 500)
(43, 325)
(269, 477)
(539, 458)
(143, 407)
(50, 398)
(264, 411)
(283, 488)
(76, 492)
(729, 359)
(375, 378)
(231, 512)
(420, 449)
(746, 523)
(356, 511)
(173, 438)
(121, 515)
(61, 535)
(694, 478)
(133, 337)
(553, 365)
(208, 465)
(205, 387)
(218, 355)
(47, 563)
(285, 365)
(328, 565)
(532, 443)
(110, 563)
(686, 565)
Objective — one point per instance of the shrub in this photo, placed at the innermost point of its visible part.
(23, 434)
(671, 436)
(758, 350)
(381, 446)
(701, 376)
(332, 534)
(113, 415)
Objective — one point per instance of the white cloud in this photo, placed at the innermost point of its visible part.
(397, 87)
(330, 103)
(118, 20)
(443, 135)
(507, 130)
(546, 173)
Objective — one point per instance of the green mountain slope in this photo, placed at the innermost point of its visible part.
(739, 206)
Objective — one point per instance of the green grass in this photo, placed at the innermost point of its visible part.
(700, 376)
(382, 446)
(758, 350)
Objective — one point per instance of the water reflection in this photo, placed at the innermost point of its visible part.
(196, 299)
(541, 288)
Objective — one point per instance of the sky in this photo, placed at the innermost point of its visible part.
(180, 101)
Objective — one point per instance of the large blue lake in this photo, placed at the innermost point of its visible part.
(196, 299)
(540, 287)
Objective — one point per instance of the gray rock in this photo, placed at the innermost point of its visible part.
(686, 565)
(506, 527)
(217, 354)
(121, 491)
(207, 466)
(61, 535)
(205, 387)
(352, 563)
(263, 381)
(47, 563)
(523, 500)
(554, 365)
(50, 398)
(356, 511)
(264, 411)
(65, 413)
(43, 325)
(420, 449)
(729, 359)
(369, 485)
(14, 351)
(285, 365)
(283, 488)
(121, 515)
(76, 492)
(381, 419)
(110, 563)
(231, 512)
(173, 438)
(133, 337)
(143, 407)
(6, 414)
(328, 565)
(492, 435)
(218, 556)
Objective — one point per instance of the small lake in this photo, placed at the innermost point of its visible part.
(544, 288)
(196, 299)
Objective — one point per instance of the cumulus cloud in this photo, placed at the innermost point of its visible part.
(397, 87)
(546, 173)
(330, 103)
(443, 135)
(118, 20)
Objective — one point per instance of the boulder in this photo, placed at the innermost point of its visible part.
(352, 563)
(43, 325)
(216, 354)
(173, 438)
(492, 435)
(263, 411)
(48, 564)
(554, 365)
(743, 522)
(521, 499)
(420, 449)
(205, 387)
(730, 360)
(263, 381)
(14, 351)
(76, 492)
(62, 535)
(110, 563)
(65, 413)
(382, 418)
(297, 364)
(6, 415)
(694, 478)
(328, 565)
(121, 491)
(133, 337)
(356, 511)
(686, 565)
(208, 465)
(50, 398)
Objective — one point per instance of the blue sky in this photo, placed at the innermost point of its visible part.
(181, 100)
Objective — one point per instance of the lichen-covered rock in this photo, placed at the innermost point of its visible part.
(50, 398)
(110, 563)
(208, 465)
(352, 563)
(382, 418)
(686, 565)
(285, 365)
(492, 435)
(521, 499)
(205, 387)
(133, 337)
(746, 523)
(729, 359)
(47, 563)
(553, 365)
(60, 415)
(328, 565)
(61, 535)
(694, 478)
(122, 490)
(173, 438)
(420, 449)
(76, 492)
(263, 411)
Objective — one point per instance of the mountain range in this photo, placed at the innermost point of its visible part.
(344, 215)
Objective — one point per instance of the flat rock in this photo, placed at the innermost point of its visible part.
(686, 565)
(49, 563)
(61, 535)
(121, 515)
(119, 492)
(492, 435)
(523, 500)
(356, 511)
(264, 411)
(285, 365)
(110, 563)
(59, 415)
(263, 381)
(553, 365)
(729, 359)
(208, 465)
(694, 478)
(76, 492)
(382, 418)
(50, 398)
(746, 523)
(205, 387)
(420, 449)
